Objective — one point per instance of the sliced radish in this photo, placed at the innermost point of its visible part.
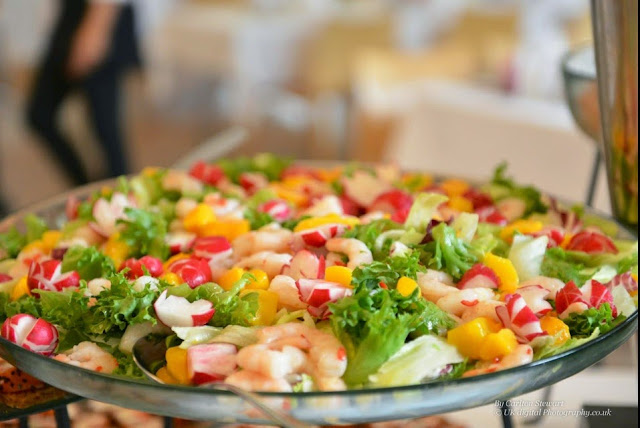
(518, 317)
(210, 174)
(276, 208)
(479, 276)
(305, 264)
(596, 294)
(71, 207)
(47, 275)
(592, 243)
(318, 236)
(211, 362)
(318, 294)
(478, 199)
(175, 311)
(251, 182)
(107, 213)
(212, 246)
(193, 271)
(4, 277)
(569, 300)
(349, 207)
(394, 202)
(152, 264)
(555, 234)
(180, 242)
(625, 280)
(34, 334)
(490, 214)
(363, 188)
(534, 296)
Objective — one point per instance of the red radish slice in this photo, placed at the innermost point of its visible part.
(47, 275)
(212, 246)
(180, 242)
(625, 279)
(34, 334)
(192, 271)
(518, 317)
(318, 236)
(349, 207)
(394, 202)
(478, 199)
(152, 264)
(319, 293)
(276, 208)
(251, 182)
(71, 207)
(210, 174)
(4, 277)
(570, 297)
(534, 296)
(211, 363)
(555, 235)
(596, 294)
(479, 276)
(175, 311)
(305, 264)
(592, 243)
(107, 213)
(490, 214)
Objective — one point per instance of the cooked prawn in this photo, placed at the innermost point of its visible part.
(357, 252)
(269, 238)
(553, 285)
(254, 381)
(288, 295)
(89, 356)
(268, 261)
(486, 308)
(435, 284)
(523, 354)
(456, 303)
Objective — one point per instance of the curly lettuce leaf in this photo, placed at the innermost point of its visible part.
(502, 187)
(448, 252)
(12, 241)
(144, 232)
(88, 262)
(265, 163)
(387, 271)
(257, 219)
(584, 324)
(371, 232)
(24, 305)
(422, 210)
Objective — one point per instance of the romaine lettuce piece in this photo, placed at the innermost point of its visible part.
(527, 254)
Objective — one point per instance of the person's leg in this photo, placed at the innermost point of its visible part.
(50, 89)
(103, 94)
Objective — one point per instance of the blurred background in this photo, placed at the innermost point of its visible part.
(414, 81)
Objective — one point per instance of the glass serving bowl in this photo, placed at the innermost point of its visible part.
(326, 408)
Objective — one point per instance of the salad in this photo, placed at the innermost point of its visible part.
(273, 276)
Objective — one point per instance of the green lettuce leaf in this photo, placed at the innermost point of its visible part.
(88, 262)
(502, 187)
(257, 219)
(448, 252)
(550, 349)
(144, 232)
(387, 271)
(370, 233)
(585, 323)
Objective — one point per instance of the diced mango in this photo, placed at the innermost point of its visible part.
(171, 278)
(116, 250)
(523, 226)
(556, 328)
(468, 337)
(566, 240)
(230, 277)
(454, 187)
(460, 203)
(261, 281)
(177, 364)
(417, 181)
(505, 271)
(198, 218)
(497, 345)
(50, 238)
(267, 306)
(36, 246)
(406, 286)
(329, 175)
(230, 229)
(164, 375)
(294, 197)
(20, 289)
(340, 274)
(313, 222)
(173, 258)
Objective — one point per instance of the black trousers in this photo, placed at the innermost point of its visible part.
(101, 88)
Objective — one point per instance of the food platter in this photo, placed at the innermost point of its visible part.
(354, 406)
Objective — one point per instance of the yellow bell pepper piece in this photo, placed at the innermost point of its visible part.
(50, 238)
(198, 218)
(468, 337)
(340, 274)
(177, 364)
(267, 307)
(556, 328)
(406, 286)
(261, 281)
(37, 246)
(229, 229)
(165, 376)
(497, 345)
(522, 226)
(310, 223)
(454, 187)
(20, 289)
(171, 278)
(116, 250)
(460, 203)
(230, 277)
(505, 271)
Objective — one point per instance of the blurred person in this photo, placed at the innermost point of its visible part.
(92, 45)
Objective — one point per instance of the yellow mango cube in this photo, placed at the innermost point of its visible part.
(116, 250)
(555, 328)
(497, 345)
(454, 187)
(198, 218)
(177, 364)
(314, 222)
(406, 286)
(229, 229)
(164, 375)
(505, 271)
(460, 203)
(50, 238)
(171, 278)
(468, 337)
(261, 281)
(267, 307)
(20, 289)
(340, 274)
(523, 226)
(230, 277)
